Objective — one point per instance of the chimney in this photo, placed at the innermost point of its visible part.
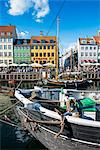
(41, 33)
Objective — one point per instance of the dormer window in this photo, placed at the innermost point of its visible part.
(25, 42)
(51, 41)
(92, 42)
(34, 41)
(83, 42)
(18, 42)
(42, 41)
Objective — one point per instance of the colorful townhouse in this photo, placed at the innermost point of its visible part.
(22, 51)
(87, 50)
(44, 49)
(7, 37)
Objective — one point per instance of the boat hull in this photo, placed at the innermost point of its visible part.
(46, 135)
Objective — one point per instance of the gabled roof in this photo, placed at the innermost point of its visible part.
(7, 28)
(97, 39)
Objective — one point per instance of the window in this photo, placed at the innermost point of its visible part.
(40, 47)
(5, 46)
(44, 54)
(52, 47)
(0, 46)
(1, 61)
(34, 41)
(37, 61)
(94, 53)
(90, 47)
(9, 46)
(83, 42)
(40, 54)
(9, 54)
(0, 40)
(18, 42)
(28, 47)
(32, 54)
(48, 54)
(5, 40)
(48, 47)
(52, 61)
(8, 33)
(44, 47)
(51, 41)
(86, 54)
(52, 54)
(90, 53)
(40, 62)
(82, 54)
(5, 53)
(36, 47)
(32, 47)
(44, 62)
(86, 48)
(25, 42)
(82, 48)
(2, 33)
(98, 54)
(42, 41)
(36, 54)
(94, 47)
(5, 61)
(92, 42)
(9, 40)
(10, 61)
(1, 53)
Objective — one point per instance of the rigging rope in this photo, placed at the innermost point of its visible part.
(55, 17)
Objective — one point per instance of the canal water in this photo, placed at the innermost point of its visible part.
(12, 138)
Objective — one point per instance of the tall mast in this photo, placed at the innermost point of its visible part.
(58, 31)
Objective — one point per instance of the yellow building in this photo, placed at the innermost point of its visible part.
(44, 49)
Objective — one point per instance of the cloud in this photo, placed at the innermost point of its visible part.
(22, 34)
(40, 8)
(71, 46)
(39, 20)
(19, 7)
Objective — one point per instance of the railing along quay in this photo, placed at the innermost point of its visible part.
(20, 76)
(25, 76)
(92, 75)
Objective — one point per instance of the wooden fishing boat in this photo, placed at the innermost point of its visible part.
(68, 84)
(51, 82)
(56, 129)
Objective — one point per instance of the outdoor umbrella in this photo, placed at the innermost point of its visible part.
(3, 65)
(23, 65)
(13, 64)
(49, 65)
(35, 65)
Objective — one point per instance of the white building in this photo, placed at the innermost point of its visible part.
(87, 50)
(97, 40)
(7, 35)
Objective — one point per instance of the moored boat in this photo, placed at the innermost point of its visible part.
(56, 129)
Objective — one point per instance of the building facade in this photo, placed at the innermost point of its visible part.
(97, 40)
(87, 50)
(44, 49)
(7, 36)
(22, 51)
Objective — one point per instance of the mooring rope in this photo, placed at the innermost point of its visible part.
(9, 123)
(9, 108)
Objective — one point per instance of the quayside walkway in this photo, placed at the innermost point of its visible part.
(38, 75)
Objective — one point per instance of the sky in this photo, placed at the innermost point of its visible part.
(78, 18)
